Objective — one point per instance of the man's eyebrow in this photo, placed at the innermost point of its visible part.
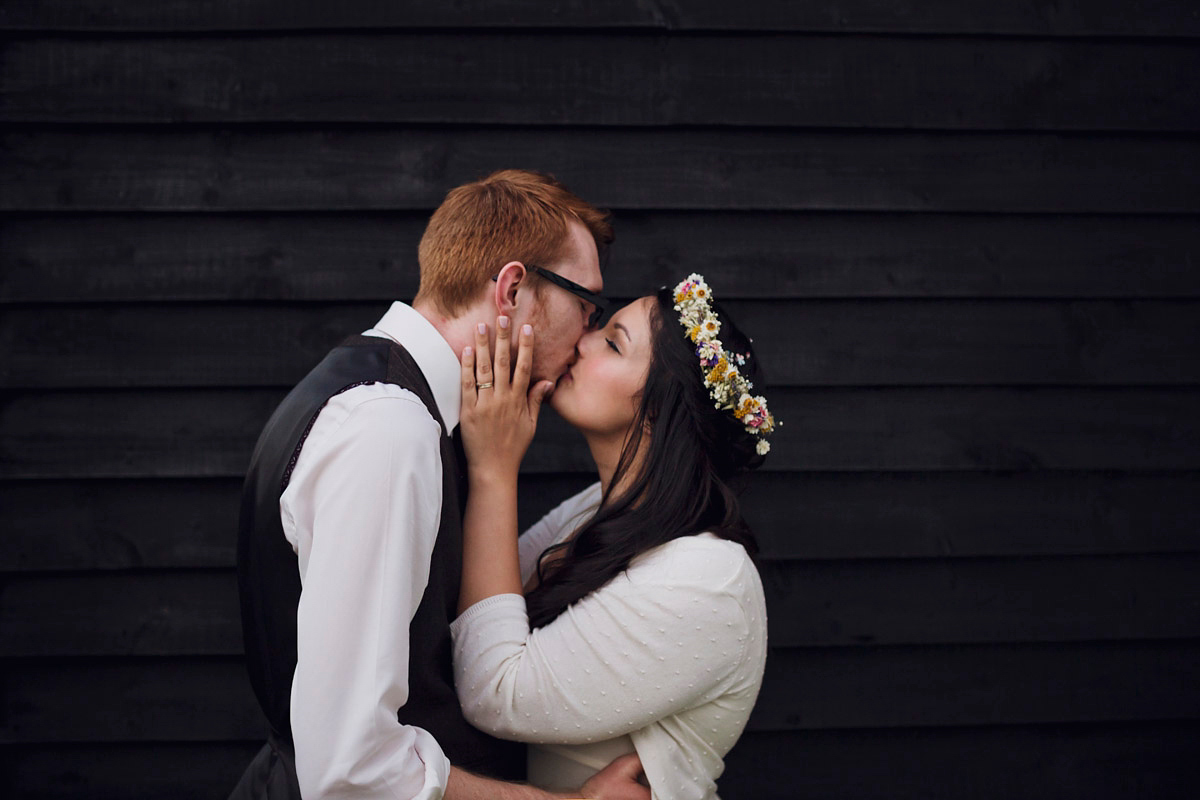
(623, 330)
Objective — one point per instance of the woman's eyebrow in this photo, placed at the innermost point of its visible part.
(623, 330)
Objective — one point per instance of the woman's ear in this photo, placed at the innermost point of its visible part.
(511, 278)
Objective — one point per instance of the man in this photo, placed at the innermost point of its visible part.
(350, 549)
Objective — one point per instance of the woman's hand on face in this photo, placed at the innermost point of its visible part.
(499, 410)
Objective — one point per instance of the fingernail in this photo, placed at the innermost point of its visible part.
(527, 330)
(482, 328)
(503, 322)
(468, 350)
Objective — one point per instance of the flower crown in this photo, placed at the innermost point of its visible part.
(728, 388)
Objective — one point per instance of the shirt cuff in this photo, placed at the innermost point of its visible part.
(513, 603)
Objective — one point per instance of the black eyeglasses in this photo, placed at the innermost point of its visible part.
(599, 304)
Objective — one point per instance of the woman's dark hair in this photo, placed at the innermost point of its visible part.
(687, 482)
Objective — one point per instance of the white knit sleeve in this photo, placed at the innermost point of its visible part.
(666, 635)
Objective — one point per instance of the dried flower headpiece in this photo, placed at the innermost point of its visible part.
(728, 388)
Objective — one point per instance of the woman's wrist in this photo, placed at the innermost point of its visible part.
(491, 477)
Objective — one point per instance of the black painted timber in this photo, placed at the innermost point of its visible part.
(965, 236)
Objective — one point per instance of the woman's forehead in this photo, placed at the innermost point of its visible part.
(635, 315)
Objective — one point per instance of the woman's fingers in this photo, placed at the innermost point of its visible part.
(537, 397)
(483, 359)
(503, 349)
(520, 378)
(468, 374)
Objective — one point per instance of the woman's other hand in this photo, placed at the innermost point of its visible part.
(499, 410)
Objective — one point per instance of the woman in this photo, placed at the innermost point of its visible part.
(643, 626)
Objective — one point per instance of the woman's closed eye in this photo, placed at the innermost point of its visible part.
(613, 345)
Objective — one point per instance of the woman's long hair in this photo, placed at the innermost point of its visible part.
(685, 484)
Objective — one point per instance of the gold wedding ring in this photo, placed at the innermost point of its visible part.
(487, 385)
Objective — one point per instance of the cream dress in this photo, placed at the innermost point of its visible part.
(666, 659)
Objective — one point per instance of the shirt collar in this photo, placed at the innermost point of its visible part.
(404, 325)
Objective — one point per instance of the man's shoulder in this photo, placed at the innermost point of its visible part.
(381, 412)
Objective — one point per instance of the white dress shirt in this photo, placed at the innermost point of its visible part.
(666, 658)
(362, 512)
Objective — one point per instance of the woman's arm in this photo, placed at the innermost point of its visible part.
(498, 423)
(667, 635)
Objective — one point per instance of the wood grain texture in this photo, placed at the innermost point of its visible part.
(963, 233)
(1081, 762)
(191, 523)
(979, 685)
(147, 614)
(118, 525)
(129, 700)
(949, 515)
(210, 433)
(810, 604)
(198, 700)
(982, 601)
(573, 79)
(813, 343)
(411, 168)
(1075, 762)
(68, 258)
(153, 771)
(1027, 17)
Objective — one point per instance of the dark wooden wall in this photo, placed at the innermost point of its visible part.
(966, 235)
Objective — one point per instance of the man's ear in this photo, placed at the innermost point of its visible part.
(511, 278)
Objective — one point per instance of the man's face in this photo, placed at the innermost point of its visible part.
(559, 318)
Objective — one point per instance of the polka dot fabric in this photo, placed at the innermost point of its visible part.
(670, 653)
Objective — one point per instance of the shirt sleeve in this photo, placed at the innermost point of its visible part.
(666, 635)
(365, 506)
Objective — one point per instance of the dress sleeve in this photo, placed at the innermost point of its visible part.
(370, 490)
(666, 635)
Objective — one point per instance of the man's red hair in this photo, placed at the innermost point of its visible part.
(511, 215)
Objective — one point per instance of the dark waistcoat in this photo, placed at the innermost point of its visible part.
(269, 579)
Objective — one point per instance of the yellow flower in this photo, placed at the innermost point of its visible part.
(719, 370)
(748, 406)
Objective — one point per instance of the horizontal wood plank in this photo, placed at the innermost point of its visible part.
(599, 79)
(1096, 18)
(179, 613)
(800, 343)
(811, 604)
(130, 700)
(369, 256)
(210, 433)
(411, 169)
(151, 771)
(196, 700)
(136, 524)
(983, 601)
(1081, 762)
(1074, 762)
(117, 525)
(944, 515)
(978, 685)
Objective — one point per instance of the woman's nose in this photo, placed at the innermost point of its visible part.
(586, 341)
